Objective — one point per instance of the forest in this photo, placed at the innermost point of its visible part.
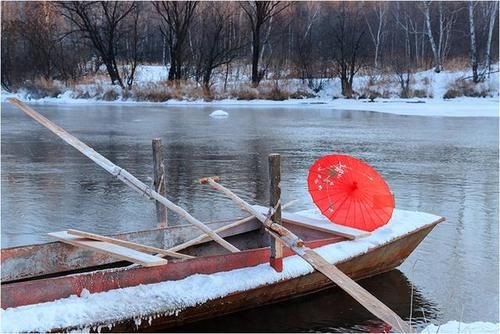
(209, 45)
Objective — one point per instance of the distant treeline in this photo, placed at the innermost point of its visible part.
(195, 40)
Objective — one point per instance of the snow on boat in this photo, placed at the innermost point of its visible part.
(59, 287)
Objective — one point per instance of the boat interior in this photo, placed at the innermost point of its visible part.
(55, 259)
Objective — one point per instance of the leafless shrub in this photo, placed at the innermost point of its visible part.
(462, 87)
(110, 95)
(41, 87)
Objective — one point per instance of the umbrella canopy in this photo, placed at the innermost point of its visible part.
(350, 192)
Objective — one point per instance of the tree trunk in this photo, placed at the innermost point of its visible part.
(346, 86)
(255, 56)
(473, 51)
(493, 13)
(437, 61)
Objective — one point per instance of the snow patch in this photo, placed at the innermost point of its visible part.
(461, 327)
(219, 114)
(171, 297)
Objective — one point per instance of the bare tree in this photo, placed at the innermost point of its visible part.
(446, 20)
(100, 22)
(491, 12)
(377, 28)
(216, 45)
(132, 50)
(348, 33)
(401, 65)
(306, 15)
(473, 50)
(177, 17)
(9, 36)
(260, 13)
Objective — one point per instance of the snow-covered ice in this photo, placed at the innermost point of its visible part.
(171, 297)
(455, 327)
(219, 114)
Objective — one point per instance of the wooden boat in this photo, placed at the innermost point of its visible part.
(51, 271)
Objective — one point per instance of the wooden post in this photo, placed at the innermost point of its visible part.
(159, 181)
(276, 259)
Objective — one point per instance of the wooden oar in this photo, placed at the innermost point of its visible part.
(370, 302)
(204, 237)
(120, 173)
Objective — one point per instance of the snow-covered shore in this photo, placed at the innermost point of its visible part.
(432, 86)
(459, 107)
(457, 327)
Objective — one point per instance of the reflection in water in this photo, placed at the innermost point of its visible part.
(446, 166)
(331, 310)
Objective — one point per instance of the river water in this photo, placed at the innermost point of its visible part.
(445, 166)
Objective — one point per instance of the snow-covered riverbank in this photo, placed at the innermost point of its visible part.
(457, 327)
(383, 89)
(460, 107)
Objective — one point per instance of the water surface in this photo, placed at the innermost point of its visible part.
(445, 166)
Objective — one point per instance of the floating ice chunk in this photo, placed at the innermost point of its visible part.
(219, 114)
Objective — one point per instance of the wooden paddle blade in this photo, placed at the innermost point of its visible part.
(356, 291)
(204, 180)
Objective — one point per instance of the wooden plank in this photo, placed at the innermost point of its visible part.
(159, 181)
(276, 259)
(118, 172)
(120, 252)
(370, 302)
(319, 225)
(128, 244)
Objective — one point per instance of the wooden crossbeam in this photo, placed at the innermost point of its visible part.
(317, 224)
(120, 252)
(203, 238)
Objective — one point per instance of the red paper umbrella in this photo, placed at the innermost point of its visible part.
(350, 192)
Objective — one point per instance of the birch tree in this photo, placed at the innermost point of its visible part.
(491, 12)
(377, 28)
(446, 20)
(473, 50)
